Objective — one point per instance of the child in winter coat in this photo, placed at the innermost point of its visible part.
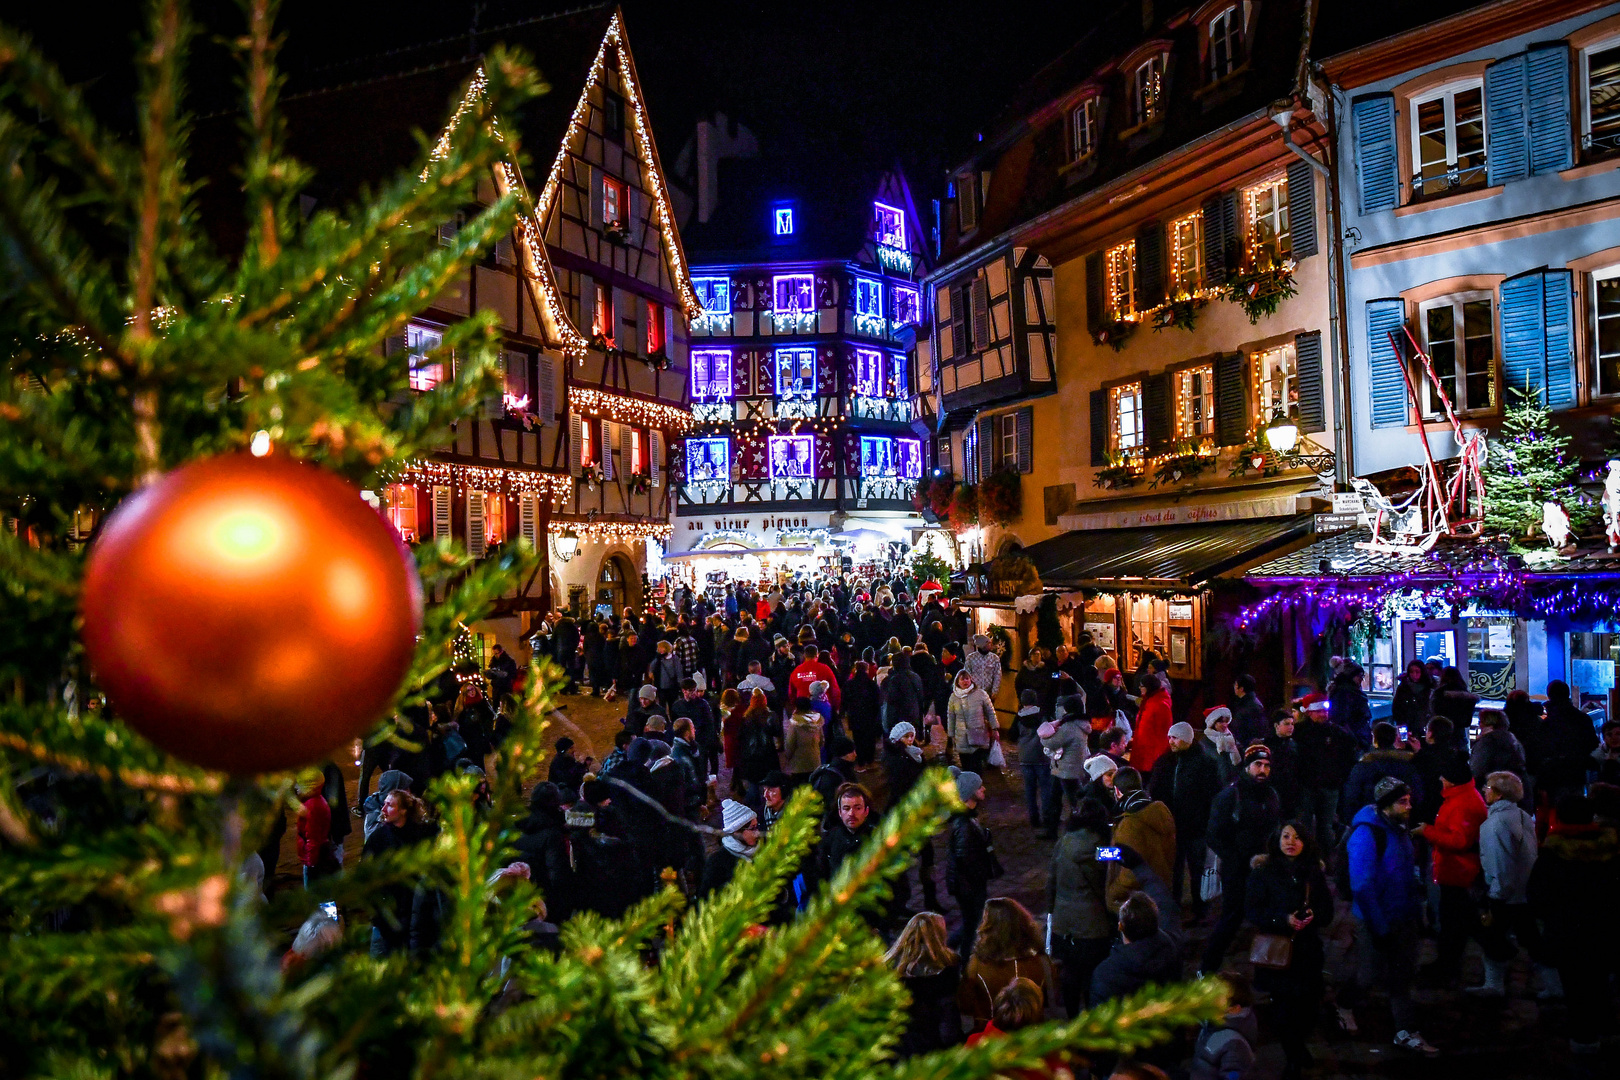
(1225, 1047)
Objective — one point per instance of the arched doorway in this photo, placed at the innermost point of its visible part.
(617, 586)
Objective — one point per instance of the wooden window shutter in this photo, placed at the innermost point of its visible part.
(1301, 209)
(1559, 318)
(605, 441)
(959, 346)
(587, 304)
(1149, 266)
(576, 435)
(1384, 376)
(1096, 292)
(1231, 400)
(627, 456)
(1099, 428)
(494, 406)
(1025, 438)
(1231, 231)
(593, 184)
(987, 447)
(1372, 122)
(1214, 243)
(441, 513)
(476, 540)
(1537, 338)
(1308, 364)
(529, 518)
(1156, 412)
(981, 314)
(655, 458)
(1508, 126)
(1552, 132)
(546, 393)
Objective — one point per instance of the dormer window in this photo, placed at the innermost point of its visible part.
(613, 202)
(782, 220)
(1147, 89)
(967, 201)
(1083, 129)
(1226, 42)
(891, 226)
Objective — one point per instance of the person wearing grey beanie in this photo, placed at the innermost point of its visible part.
(1040, 790)
(970, 862)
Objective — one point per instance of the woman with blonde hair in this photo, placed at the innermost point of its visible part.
(1008, 946)
(930, 971)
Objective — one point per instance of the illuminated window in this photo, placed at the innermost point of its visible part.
(638, 452)
(908, 458)
(1268, 221)
(1225, 43)
(1460, 338)
(1084, 129)
(891, 226)
(783, 218)
(589, 438)
(602, 324)
(419, 342)
(906, 303)
(900, 384)
(655, 329)
(1006, 426)
(1195, 402)
(877, 457)
(795, 373)
(494, 518)
(944, 452)
(792, 457)
(707, 459)
(1125, 418)
(614, 198)
(1187, 254)
(714, 293)
(1602, 134)
(869, 298)
(711, 373)
(1606, 310)
(794, 293)
(1448, 140)
(402, 510)
(1121, 266)
(1276, 382)
(868, 372)
(1147, 89)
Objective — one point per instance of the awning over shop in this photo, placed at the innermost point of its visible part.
(1168, 555)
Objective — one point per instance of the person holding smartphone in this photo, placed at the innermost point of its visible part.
(1288, 895)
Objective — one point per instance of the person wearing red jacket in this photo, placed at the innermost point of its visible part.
(809, 671)
(1152, 736)
(314, 830)
(1454, 839)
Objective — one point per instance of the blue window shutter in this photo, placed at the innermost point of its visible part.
(1552, 135)
(1559, 305)
(1524, 333)
(1308, 363)
(1384, 375)
(1507, 128)
(1373, 125)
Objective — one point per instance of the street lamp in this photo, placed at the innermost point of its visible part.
(566, 544)
(1282, 434)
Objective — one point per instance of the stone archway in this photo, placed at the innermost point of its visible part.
(617, 583)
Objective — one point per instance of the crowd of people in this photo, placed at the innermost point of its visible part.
(1231, 842)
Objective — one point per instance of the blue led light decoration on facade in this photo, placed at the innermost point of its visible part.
(783, 220)
(708, 463)
(715, 295)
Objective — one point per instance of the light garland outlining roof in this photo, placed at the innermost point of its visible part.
(612, 531)
(530, 234)
(623, 409)
(558, 485)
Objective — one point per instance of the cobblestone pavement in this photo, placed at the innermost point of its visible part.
(1519, 1038)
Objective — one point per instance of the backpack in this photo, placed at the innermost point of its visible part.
(757, 742)
(825, 781)
(1341, 855)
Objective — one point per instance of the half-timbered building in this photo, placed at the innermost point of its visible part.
(802, 360)
(593, 296)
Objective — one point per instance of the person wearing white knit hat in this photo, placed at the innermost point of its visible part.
(1217, 722)
(738, 845)
(1101, 768)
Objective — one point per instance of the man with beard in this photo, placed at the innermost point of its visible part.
(1241, 821)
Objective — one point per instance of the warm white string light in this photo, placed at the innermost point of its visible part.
(485, 478)
(623, 409)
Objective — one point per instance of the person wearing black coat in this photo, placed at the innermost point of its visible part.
(1288, 895)
(1567, 743)
(1285, 761)
(1412, 695)
(399, 920)
(1384, 759)
(904, 699)
(1241, 821)
(970, 863)
(596, 661)
(1187, 779)
(542, 842)
(566, 644)
(863, 706)
(1348, 702)
(1453, 700)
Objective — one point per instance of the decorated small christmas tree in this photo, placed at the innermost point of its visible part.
(1527, 466)
(135, 944)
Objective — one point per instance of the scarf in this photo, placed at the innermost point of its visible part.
(915, 752)
(738, 848)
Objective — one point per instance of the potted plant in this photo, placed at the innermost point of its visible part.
(964, 509)
(1182, 311)
(1122, 471)
(639, 483)
(1114, 333)
(1261, 287)
(1190, 459)
(1000, 498)
(590, 476)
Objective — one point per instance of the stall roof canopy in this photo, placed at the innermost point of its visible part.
(1336, 556)
(1185, 555)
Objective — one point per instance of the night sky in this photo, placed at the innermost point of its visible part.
(860, 82)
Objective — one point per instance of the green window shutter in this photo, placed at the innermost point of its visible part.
(1372, 121)
(1552, 134)
(1384, 376)
(1099, 428)
(1095, 292)
(1231, 400)
(1507, 129)
(1302, 209)
(1308, 359)
(1149, 266)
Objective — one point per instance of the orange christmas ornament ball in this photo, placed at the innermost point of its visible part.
(250, 614)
